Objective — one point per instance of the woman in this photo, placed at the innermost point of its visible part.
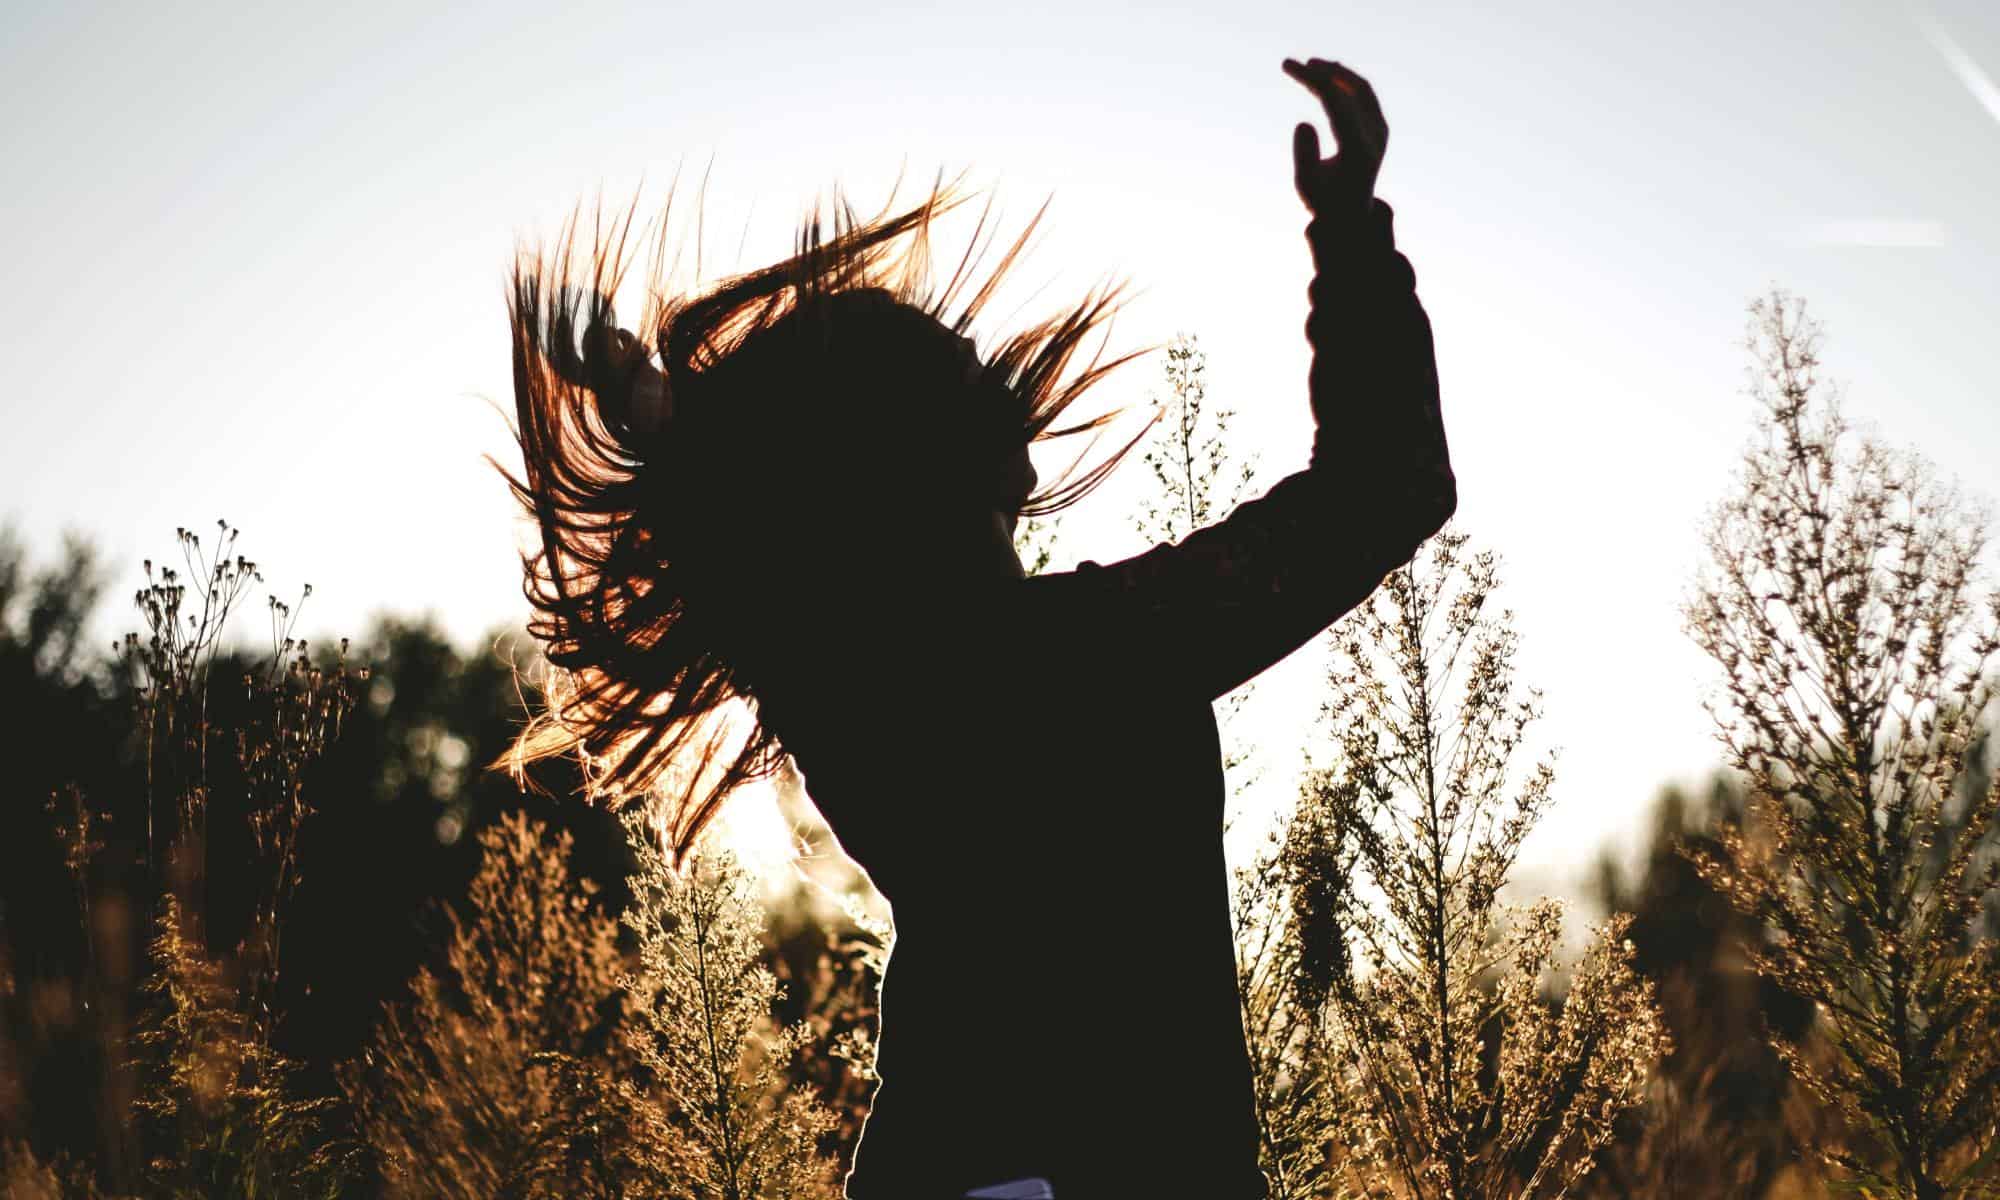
(808, 508)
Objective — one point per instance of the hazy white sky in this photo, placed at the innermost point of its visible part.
(255, 259)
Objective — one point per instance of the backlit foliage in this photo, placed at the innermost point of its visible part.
(193, 1098)
(468, 1088)
(1037, 540)
(1296, 1079)
(219, 1111)
(1199, 476)
(289, 711)
(1844, 604)
(1198, 473)
(1464, 1079)
(702, 999)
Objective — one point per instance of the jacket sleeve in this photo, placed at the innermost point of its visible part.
(1229, 600)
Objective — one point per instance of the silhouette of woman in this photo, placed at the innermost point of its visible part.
(807, 509)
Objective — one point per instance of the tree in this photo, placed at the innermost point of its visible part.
(1464, 1080)
(1844, 604)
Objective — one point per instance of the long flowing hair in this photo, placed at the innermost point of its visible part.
(801, 394)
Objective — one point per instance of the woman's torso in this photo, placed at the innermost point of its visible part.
(1061, 1000)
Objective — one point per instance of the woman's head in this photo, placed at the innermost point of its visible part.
(824, 434)
(858, 428)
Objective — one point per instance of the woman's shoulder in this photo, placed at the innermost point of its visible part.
(1098, 626)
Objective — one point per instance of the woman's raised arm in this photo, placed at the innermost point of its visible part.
(1229, 600)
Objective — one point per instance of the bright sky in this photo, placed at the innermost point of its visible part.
(256, 257)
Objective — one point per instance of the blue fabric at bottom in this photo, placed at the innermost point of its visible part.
(1014, 1189)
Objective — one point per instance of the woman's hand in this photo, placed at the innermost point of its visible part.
(1344, 183)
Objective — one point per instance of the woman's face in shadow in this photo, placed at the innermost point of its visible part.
(1010, 487)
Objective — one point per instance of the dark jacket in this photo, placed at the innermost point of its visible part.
(1039, 794)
